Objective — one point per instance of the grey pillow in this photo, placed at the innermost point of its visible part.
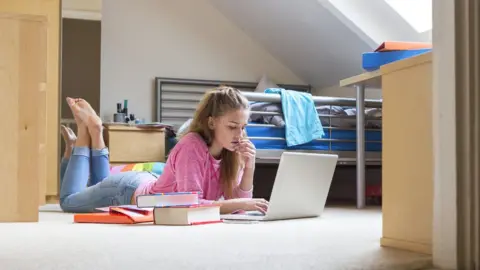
(184, 127)
(265, 83)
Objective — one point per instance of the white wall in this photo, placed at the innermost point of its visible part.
(86, 5)
(445, 211)
(143, 39)
(82, 9)
(348, 92)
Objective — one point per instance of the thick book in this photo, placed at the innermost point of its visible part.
(187, 215)
(168, 199)
(125, 214)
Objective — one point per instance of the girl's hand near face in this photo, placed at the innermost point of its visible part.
(247, 151)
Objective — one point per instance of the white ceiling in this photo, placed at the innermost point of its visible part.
(306, 36)
(321, 41)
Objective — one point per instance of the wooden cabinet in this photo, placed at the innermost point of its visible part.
(131, 144)
(408, 155)
(407, 151)
(23, 62)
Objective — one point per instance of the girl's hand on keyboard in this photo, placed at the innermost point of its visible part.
(256, 205)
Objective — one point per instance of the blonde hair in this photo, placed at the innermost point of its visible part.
(214, 103)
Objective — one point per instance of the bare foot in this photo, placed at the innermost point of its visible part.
(79, 113)
(70, 138)
(68, 135)
(86, 114)
(82, 103)
(78, 120)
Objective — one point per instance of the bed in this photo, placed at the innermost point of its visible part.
(176, 100)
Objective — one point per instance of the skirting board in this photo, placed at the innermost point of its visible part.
(405, 245)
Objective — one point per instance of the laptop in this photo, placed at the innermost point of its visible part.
(300, 190)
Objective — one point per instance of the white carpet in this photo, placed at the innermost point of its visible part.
(344, 238)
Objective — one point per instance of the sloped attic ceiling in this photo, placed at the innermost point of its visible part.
(304, 35)
(320, 40)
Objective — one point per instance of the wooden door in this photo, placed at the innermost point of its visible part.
(23, 63)
(51, 10)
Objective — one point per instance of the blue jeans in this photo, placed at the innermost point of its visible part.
(79, 195)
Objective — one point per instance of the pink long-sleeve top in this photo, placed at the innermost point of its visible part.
(191, 167)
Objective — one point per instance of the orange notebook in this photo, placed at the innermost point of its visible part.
(388, 46)
(117, 215)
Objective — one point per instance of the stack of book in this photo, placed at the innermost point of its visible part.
(180, 208)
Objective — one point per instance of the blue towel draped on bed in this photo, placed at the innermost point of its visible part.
(302, 124)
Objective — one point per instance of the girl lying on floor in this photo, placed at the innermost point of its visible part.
(213, 157)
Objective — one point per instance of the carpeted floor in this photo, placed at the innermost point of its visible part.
(343, 238)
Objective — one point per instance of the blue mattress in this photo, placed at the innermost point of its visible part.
(277, 132)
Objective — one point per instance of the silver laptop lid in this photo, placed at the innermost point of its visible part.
(301, 185)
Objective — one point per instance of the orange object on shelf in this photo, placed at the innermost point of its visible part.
(388, 46)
